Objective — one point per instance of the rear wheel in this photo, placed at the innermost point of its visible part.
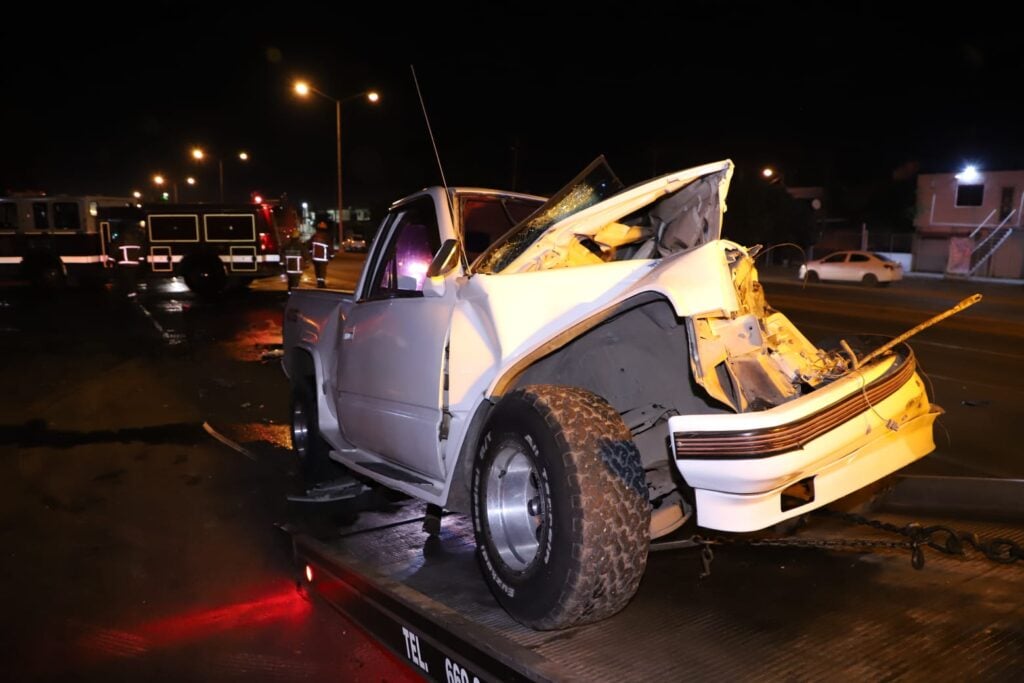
(205, 276)
(870, 279)
(307, 442)
(560, 508)
(49, 275)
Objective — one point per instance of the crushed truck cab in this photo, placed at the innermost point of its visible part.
(582, 374)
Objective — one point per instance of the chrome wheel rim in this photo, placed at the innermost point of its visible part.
(300, 430)
(515, 507)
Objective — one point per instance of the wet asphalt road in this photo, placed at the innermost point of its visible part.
(136, 547)
(133, 545)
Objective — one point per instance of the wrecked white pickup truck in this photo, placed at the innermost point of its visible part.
(582, 375)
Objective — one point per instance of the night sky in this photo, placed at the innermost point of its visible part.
(97, 101)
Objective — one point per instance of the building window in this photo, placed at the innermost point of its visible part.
(969, 195)
(1006, 203)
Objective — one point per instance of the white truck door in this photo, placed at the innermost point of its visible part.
(392, 348)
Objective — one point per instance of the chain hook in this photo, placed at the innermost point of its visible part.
(706, 558)
(916, 555)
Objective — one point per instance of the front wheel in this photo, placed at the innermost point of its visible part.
(560, 508)
(870, 280)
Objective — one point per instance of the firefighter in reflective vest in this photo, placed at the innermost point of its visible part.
(293, 249)
(127, 256)
(321, 252)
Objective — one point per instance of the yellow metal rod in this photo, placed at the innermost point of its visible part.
(969, 301)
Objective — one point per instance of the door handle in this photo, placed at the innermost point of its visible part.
(349, 334)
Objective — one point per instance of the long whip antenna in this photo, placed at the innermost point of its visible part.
(430, 132)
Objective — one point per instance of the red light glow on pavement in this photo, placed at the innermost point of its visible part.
(286, 606)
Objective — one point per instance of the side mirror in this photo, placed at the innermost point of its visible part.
(446, 258)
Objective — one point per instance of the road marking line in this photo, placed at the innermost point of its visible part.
(228, 442)
(158, 326)
(976, 383)
(955, 347)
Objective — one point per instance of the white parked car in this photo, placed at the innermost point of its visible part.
(605, 369)
(853, 266)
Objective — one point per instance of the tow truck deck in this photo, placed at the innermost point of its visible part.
(809, 609)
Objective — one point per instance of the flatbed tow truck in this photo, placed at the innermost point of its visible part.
(841, 598)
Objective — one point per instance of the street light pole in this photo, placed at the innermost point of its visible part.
(302, 88)
(337, 133)
(199, 154)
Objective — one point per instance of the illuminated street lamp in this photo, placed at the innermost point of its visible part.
(969, 175)
(771, 175)
(161, 180)
(199, 154)
(302, 89)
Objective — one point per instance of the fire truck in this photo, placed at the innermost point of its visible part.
(53, 240)
(50, 240)
(210, 245)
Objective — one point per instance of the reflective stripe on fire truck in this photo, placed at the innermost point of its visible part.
(65, 259)
(129, 255)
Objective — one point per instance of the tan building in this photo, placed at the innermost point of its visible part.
(970, 223)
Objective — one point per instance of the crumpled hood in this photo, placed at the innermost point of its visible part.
(684, 211)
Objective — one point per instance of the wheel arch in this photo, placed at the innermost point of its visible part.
(635, 356)
(458, 498)
(510, 376)
(298, 363)
(40, 258)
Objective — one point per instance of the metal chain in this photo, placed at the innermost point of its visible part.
(941, 538)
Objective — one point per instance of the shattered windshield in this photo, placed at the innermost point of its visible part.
(594, 184)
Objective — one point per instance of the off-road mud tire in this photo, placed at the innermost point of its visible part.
(593, 534)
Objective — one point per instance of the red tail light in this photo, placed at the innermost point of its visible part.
(267, 242)
(268, 236)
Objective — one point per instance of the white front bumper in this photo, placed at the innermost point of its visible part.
(746, 494)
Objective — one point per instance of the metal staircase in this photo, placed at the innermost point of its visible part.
(991, 243)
